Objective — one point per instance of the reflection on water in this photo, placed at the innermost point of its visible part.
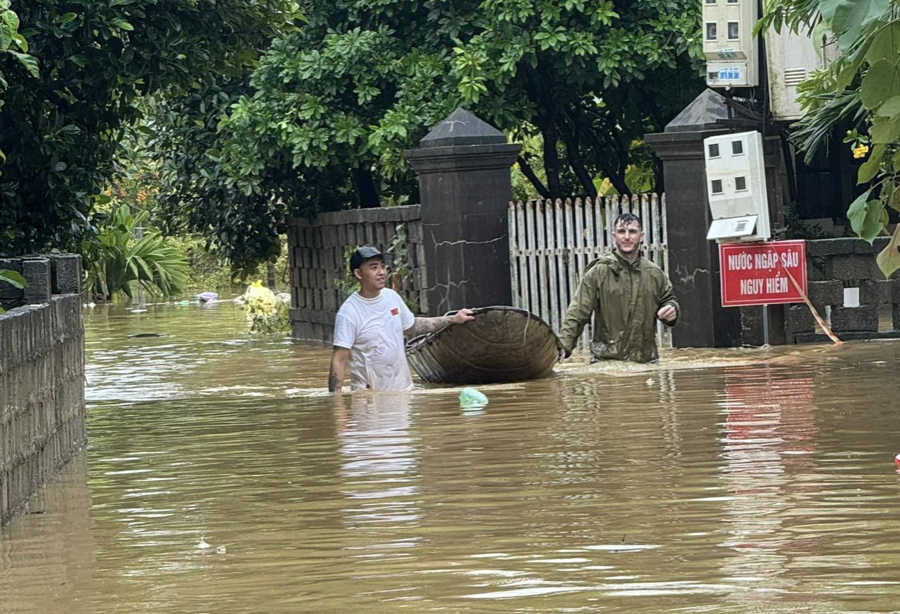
(721, 481)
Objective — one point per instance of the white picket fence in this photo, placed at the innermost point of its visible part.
(552, 242)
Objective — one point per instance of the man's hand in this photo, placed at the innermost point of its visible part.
(563, 354)
(424, 326)
(462, 316)
(666, 313)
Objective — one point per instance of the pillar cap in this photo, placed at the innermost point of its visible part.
(462, 128)
(705, 112)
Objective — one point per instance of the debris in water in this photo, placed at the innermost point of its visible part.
(203, 545)
(650, 382)
(221, 550)
(146, 335)
(897, 460)
(470, 398)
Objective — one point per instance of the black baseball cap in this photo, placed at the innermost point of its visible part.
(362, 254)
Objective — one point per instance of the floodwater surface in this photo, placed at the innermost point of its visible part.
(221, 478)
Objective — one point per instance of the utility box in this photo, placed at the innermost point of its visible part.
(736, 188)
(731, 50)
(792, 57)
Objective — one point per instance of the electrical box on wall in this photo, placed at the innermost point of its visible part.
(736, 187)
(792, 56)
(730, 48)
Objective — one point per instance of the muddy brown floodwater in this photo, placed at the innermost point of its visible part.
(752, 481)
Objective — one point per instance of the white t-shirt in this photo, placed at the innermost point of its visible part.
(372, 329)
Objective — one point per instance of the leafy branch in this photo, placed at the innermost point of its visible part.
(862, 87)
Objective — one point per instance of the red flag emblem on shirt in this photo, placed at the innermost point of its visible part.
(395, 312)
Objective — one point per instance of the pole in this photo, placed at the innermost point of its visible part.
(138, 235)
(765, 314)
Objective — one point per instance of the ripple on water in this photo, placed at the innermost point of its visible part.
(718, 481)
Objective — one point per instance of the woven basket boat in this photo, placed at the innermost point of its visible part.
(502, 344)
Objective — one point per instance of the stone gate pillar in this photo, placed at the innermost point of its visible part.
(694, 261)
(464, 182)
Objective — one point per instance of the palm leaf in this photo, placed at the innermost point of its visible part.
(116, 260)
(815, 129)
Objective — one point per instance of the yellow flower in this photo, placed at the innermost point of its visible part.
(860, 151)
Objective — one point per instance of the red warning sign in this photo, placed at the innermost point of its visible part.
(756, 273)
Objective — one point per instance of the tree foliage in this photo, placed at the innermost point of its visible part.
(862, 86)
(324, 119)
(93, 63)
(118, 260)
(347, 93)
(591, 76)
(319, 125)
(13, 44)
(362, 81)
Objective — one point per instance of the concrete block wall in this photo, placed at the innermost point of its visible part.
(42, 413)
(316, 261)
(834, 265)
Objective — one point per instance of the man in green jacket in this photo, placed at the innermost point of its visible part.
(627, 294)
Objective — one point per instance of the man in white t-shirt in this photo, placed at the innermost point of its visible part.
(370, 327)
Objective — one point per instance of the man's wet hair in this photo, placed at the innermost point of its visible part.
(627, 219)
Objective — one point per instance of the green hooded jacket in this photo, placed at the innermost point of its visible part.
(624, 299)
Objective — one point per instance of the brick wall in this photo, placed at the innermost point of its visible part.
(42, 418)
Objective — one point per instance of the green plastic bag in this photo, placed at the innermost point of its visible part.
(470, 398)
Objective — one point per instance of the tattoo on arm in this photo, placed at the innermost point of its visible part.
(339, 360)
(423, 326)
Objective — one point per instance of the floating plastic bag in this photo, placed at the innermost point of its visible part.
(266, 313)
(470, 398)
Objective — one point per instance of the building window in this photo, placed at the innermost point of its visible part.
(734, 30)
(713, 1)
(733, 1)
(740, 184)
(737, 148)
(713, 150)
(711, 34)
(717, 186)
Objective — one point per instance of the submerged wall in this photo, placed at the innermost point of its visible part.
(42, 418)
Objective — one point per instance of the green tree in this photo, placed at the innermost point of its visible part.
(590, 76)
(861, 87)
(319, 125)
(12, 43)
(322, 122)
(94, 62)
(241, 221)
(346, 94)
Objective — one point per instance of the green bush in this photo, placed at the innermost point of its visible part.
(115, 261)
